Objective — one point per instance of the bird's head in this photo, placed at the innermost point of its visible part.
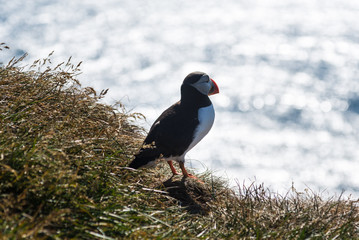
(202, 83)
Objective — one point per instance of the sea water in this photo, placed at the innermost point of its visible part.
(288, 109)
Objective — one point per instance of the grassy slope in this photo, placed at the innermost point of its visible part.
(63, 175)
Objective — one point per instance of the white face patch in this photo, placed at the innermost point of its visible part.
(203, 85)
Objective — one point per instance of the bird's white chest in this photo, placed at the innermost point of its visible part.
(206, 119)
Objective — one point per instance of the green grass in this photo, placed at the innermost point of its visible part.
(63, 175)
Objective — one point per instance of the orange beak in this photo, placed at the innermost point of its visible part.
(214, 89)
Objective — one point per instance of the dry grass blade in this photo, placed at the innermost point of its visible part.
(63, 175)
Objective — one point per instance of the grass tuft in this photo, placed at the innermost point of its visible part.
(63, 174)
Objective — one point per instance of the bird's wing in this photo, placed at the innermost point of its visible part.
(172, 132)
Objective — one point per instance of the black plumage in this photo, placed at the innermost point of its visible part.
(173, 131)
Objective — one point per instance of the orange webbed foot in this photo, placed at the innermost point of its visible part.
(186, 174)
(174, 172)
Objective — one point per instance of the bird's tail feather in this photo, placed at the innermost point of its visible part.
(143, 158)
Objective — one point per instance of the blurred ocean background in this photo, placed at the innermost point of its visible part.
(288, 108)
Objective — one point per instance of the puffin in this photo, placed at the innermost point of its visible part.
(180, 127)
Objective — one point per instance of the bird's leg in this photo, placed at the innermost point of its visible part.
(174, 172)
(186, 174)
